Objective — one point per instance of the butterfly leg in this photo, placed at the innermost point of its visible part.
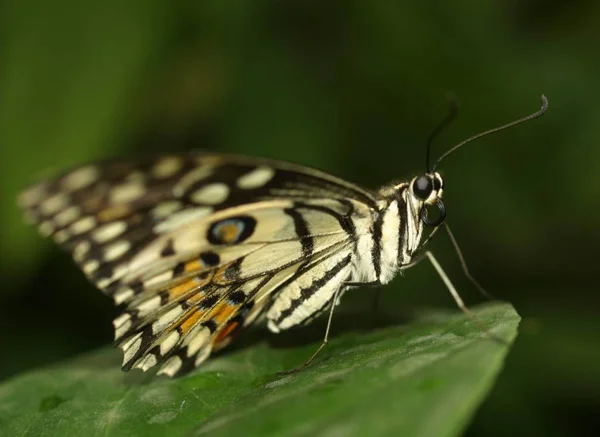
(325, 338)
(459, 302)
(463, 263)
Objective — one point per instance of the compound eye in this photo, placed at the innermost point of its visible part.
(422, 187)
(437, 184)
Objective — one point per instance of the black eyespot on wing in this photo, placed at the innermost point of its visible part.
(232, 230)
(179, 269)
(168, 250)
(232, 271)
(209, 301)
(203, 276)
(245, 309)
(211, 325)
(210, 259)
(422, 187)
(237, 297)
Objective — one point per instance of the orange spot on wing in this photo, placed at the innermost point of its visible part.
(222, 312)
(228, 233)
(193, 266)
(183, 288)
(191, 321)
(196, 298)
(225, 333)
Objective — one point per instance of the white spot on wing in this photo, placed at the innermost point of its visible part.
(127, 343)
(103, 283)
(190, 179)
(122, 324)
(171, 366)
(80, 178)
(54, 203)
(90, 267)
(167, 167)
(131, 349)
(166, 208)
(169, 342)
(127, 192)
(136, 176)
(146, 307)
(61, 236)
(158, 279)
(197, 341)
(82, 225)
(109, 231)
(46, 228)
(123, 295)
(203, 354)
(115, 250)
(273, 327)
(166, 319)
(146, 362)
(256, 178)
(180, 218)
(81, 250)
(211, 194)
(65, 217)
(123, 318)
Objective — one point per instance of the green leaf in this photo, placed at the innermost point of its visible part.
(425, 378)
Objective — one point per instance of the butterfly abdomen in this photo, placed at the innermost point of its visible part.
(310, 292)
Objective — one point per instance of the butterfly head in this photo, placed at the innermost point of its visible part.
(407, 208)
(427, 190)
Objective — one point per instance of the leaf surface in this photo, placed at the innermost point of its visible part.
(424, 378)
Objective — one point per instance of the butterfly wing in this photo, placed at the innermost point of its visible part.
(193, 245)
(212, 293)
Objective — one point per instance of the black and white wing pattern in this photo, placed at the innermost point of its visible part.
(196, 246)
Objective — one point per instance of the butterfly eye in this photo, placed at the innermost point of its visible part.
(437, 184)
(422, 187)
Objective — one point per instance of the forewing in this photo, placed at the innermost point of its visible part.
(108, 214)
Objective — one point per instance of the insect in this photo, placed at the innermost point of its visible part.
(196, 246)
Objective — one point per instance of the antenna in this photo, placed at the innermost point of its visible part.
(537, 114)
(449, 118)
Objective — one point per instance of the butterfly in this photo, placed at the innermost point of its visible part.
(196, 246)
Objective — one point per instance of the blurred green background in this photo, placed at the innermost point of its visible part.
(353, 88)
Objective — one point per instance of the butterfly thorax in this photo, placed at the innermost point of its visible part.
(396, 231)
